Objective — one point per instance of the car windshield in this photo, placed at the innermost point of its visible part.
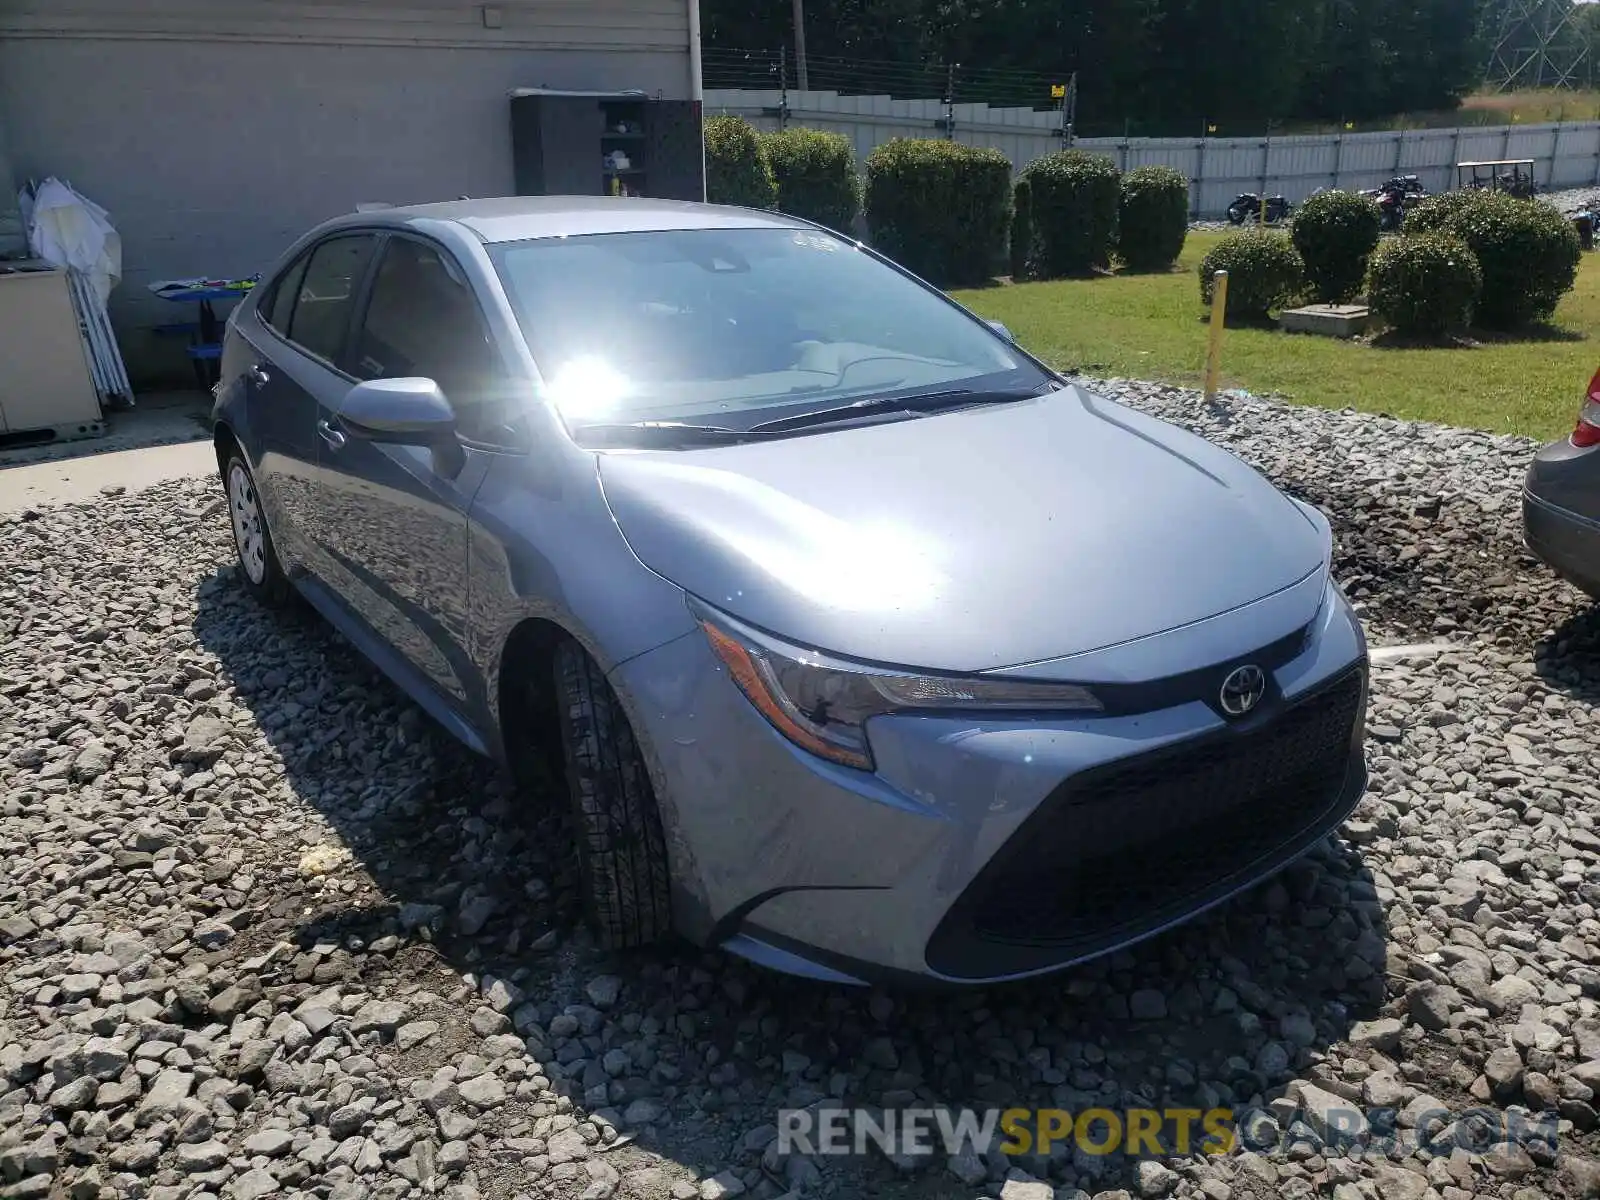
(730, 327)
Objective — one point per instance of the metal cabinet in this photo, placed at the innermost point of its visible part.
(606, 143)
(45, 382)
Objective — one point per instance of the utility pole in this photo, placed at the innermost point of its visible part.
(800, 44)
(950, 102)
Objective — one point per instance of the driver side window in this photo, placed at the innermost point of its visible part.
(423, 320)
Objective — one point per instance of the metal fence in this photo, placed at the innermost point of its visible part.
(1565, 155)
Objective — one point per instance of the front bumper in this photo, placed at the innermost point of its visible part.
(990, 849)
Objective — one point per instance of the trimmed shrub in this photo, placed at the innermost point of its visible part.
(1153, 218)
(1264, 272)
(1336, 232)
(816, 176)
(1424, 284)
(1435, 214)
(737, 170)
(1075, 196)
(1528, 252)
(1021, 227)
(940, 208)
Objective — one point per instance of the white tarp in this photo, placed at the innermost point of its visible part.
(67, 230)
(73, 233)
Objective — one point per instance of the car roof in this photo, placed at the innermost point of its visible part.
(519, 218)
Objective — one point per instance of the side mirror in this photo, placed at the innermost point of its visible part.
(1001, 330)
(405, 412)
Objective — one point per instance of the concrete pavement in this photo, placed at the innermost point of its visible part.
(76, 480)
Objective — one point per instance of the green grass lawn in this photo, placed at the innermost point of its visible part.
(1152, 327)
(1531, 107)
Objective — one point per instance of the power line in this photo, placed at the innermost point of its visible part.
(735, 69)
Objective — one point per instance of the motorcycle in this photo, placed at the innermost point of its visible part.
(1584, 222)
(1396, 198)
(1247, 207)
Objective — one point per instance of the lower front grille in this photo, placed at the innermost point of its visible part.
(1135, 845)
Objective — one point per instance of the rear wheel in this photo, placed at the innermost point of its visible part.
(258, 560)
(622, 854)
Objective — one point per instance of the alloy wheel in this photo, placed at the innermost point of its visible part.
(249, 536)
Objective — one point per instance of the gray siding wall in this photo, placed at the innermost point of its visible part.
(216, 131)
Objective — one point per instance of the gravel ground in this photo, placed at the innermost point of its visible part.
(265, 932)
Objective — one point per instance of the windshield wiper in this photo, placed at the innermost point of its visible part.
(664, 433)
(923, 402)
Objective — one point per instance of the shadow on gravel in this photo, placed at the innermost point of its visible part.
(1569, 659)
(455, 872)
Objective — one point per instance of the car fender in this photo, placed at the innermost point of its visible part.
(587, 568)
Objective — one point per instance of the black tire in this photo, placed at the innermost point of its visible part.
(1236, 214)
(622, 854)
(272, 588)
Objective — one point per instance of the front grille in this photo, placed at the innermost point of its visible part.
(1133, 845)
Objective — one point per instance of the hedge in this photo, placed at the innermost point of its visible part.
(1153, 218)
(1264, 272)
(737, 170)
(1075, 198)
(1335, 233)
(1424, 284)
(816, 176)
(1528, 252)
(941, 209)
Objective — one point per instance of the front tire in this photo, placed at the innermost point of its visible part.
(259, 567)
(1236, 214)
(622, 854)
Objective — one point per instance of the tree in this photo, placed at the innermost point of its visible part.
(1165, 65)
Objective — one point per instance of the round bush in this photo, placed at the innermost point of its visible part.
(737, 170)
(940, 208)
(1528, 252)
(1153, 218)
(1264, 272)
(1021, 227)
(1424, 284)
(816, 176)
(1075, 196)
(1436, 213)
(1335, 233)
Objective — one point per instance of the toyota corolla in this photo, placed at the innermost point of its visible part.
(865, 644)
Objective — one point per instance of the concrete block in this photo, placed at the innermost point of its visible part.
(1330, 320)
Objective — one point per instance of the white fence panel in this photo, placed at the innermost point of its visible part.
(1565, 155)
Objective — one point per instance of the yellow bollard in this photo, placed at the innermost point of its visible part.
(1219, 308)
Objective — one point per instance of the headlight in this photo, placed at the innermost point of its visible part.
(822, 704)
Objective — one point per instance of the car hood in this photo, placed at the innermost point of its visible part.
(970, 540)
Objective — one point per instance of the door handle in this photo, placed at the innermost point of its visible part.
(258, 375)
(332, 436)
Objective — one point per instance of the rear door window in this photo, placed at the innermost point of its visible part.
(325, 294)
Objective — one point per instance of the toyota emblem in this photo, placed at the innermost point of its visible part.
(1242, 689)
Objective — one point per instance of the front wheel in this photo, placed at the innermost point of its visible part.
(622, 855)
(258, 559)
(1236, 214)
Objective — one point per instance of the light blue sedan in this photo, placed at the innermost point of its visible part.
(868, 647)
